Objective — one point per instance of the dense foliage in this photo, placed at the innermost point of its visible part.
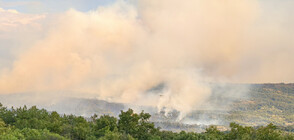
(39, 124)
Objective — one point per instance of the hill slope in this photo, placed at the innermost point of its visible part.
(268, 103)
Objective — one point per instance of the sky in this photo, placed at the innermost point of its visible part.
(52, 6)
(38, 9)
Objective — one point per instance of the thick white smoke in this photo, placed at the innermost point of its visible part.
(121, 52)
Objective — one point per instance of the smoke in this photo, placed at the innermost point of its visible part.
(121, 52)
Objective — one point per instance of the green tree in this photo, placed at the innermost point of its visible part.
(213, 133)
(137, 125)
(104, 124)
(116, 136)
(269, 133)
(239, 132)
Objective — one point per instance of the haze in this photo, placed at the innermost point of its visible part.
(121, 50)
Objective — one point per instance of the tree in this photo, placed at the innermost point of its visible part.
(137, 125)
(213, 133)
(116, 136)
(268, 133)
(104, 124)
(241, 132)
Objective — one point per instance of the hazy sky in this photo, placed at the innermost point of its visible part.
(52, 6)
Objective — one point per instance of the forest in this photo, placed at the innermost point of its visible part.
(39, 124)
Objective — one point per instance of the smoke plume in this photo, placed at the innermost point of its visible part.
(121, 52)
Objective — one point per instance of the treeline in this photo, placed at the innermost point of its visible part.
(38, 124)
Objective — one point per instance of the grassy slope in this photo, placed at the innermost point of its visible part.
(268, 103)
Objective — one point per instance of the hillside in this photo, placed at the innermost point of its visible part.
(268, 103)
(261, 104)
